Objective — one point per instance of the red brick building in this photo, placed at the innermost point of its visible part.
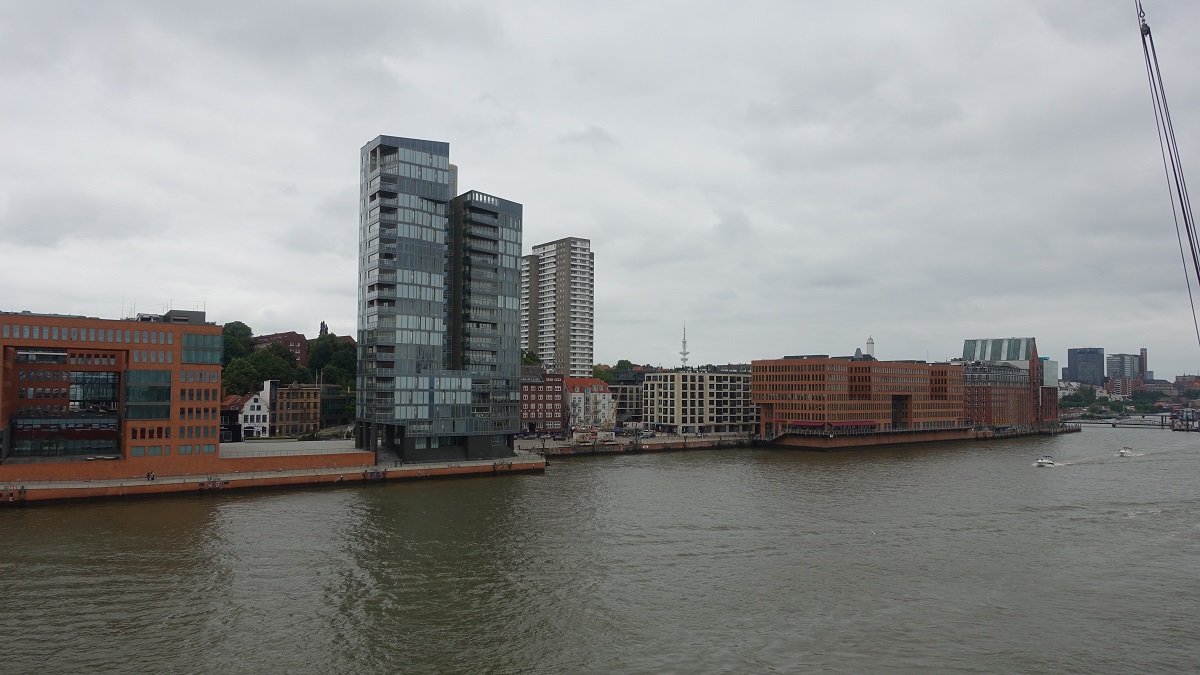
(1004, 385)
(294, 342)
(823, 395)
(543, 403)
(92, 399)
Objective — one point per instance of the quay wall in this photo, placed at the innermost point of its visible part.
(801, 442)
(29, 491)
(178, 465)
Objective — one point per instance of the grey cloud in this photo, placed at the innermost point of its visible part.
(785, 178)
(594, 136)
(43, 219)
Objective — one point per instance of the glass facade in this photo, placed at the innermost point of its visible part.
(423, 383)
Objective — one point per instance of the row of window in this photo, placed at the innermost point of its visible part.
(42, 392)
(160, 450)
(146, 337)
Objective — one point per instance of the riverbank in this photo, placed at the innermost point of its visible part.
(18, 492)
(814, 442)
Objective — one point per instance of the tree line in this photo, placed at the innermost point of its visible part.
(330, 361)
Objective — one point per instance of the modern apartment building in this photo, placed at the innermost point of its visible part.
(1085, 365)
(74, 387)
(557, 305)
(438, 371)
(857, 395)
(628, 390)
(687, 402)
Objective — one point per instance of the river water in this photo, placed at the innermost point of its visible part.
(953, 558)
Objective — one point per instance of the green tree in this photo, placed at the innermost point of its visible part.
(334, 375)
(1146, 396)
(328, 351)
(272, 366)
(237, 341)
(282, 352)
(241, 377)
(529, 358)
(350, 408)
(603, 372)
(1116, 406)
(303, 375)
(624, 364)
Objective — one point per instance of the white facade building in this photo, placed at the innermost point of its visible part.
(557, 305)
(255, 416)
(591, 403)
(688, 402)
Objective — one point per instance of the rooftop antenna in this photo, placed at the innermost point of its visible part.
(684, 353)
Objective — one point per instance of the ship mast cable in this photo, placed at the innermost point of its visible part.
(1168, 147)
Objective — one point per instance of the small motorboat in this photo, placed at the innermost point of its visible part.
(1044, 460)
(1125, 452)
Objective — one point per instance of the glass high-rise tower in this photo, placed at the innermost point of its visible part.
(438, 300)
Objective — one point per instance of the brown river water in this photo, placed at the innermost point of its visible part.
(953, 558)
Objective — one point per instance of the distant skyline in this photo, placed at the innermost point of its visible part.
(784, 178)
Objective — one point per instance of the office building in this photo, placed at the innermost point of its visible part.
(557, 305)
(438, 308)
(1125, 366)
(855, 395)
(74, 387)
(1085, 365)
(1050, 372)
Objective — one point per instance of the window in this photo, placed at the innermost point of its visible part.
(210, 449)
(137, 451)
(155, 450)
(185, 449)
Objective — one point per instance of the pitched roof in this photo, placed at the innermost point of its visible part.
(575, 384)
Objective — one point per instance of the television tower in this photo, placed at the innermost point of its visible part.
(684, 354)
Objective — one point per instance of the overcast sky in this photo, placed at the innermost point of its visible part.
(784, 177)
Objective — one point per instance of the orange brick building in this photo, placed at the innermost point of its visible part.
(855, 395)
(143, 394)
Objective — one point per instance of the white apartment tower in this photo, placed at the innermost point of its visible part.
(557, 305)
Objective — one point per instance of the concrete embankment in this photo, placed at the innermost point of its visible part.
(816, 442)
(676, 445)
(18, 492)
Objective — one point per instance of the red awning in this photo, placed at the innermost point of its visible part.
(859, 423)
(798, 423)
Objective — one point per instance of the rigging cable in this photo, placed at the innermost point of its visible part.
(1172, 164)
